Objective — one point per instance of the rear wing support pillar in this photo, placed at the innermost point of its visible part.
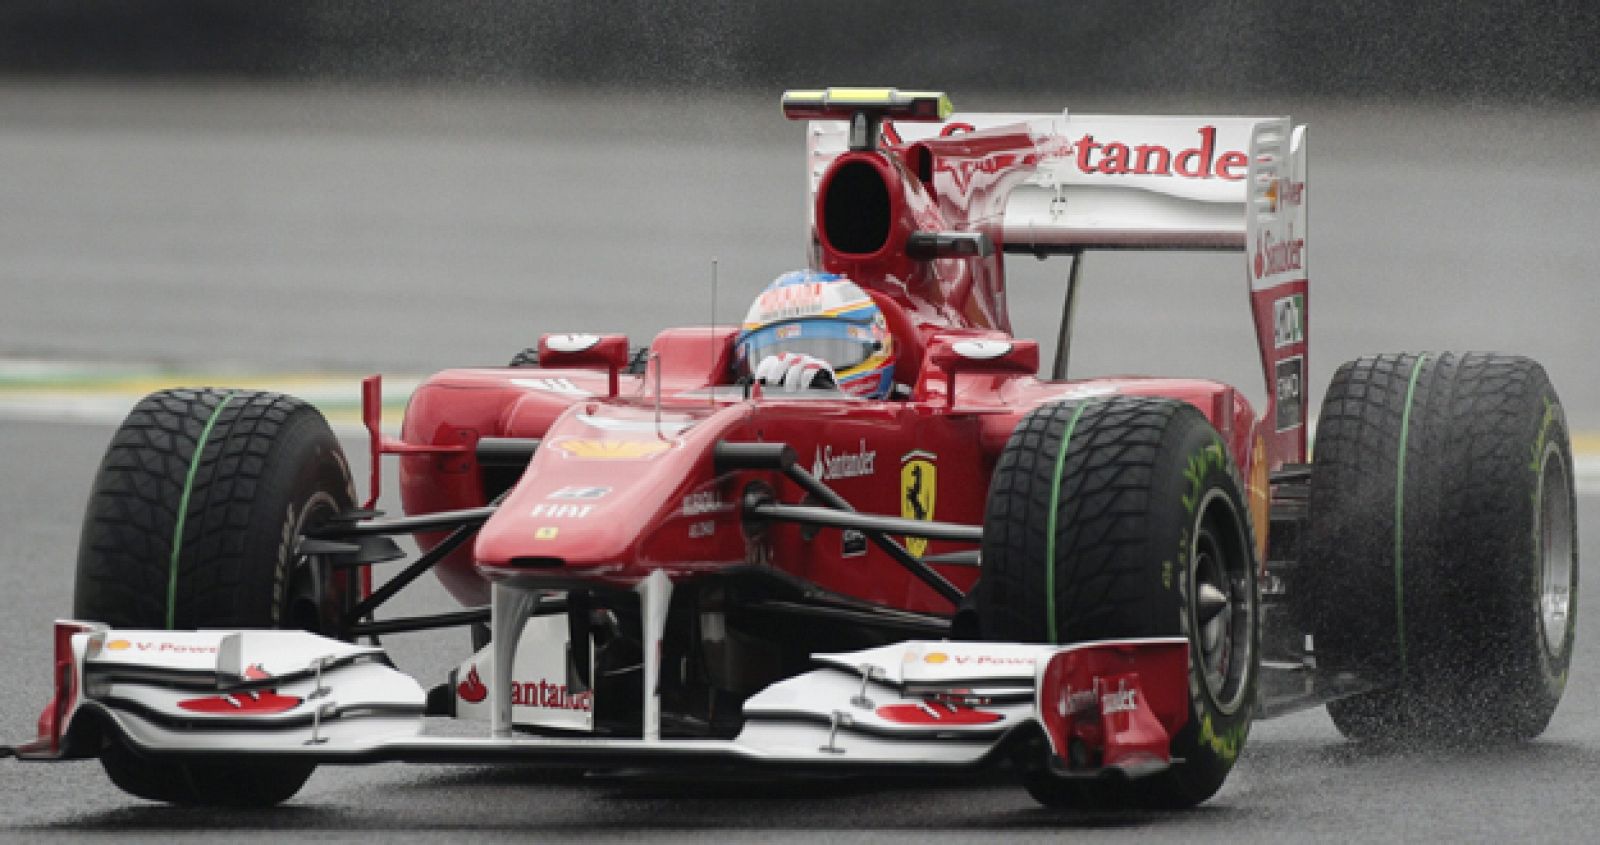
(1069, 307)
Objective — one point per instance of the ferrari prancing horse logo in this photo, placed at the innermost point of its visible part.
(919, 481)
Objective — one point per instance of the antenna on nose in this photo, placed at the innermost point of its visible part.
(711, 395)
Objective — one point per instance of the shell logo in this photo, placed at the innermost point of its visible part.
(935, 657)
(118, 645)
(611, 450)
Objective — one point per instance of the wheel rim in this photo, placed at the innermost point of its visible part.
(306, 593)
(1222, 603)
(1555, 549)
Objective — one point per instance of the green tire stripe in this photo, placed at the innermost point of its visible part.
(1400, 515)
(183, 510)
(1050, 527)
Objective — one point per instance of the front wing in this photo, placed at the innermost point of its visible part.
(1102, 706)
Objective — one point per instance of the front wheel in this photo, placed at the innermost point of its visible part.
(193, 523)
(1123, 518)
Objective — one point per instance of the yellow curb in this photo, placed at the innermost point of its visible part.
(1586, 443)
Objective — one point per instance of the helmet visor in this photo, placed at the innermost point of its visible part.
(842, 345)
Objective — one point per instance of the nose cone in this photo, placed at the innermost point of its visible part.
(605, 479)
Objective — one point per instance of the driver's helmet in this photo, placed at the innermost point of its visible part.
(826, 316)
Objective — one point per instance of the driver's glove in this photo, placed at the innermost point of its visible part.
(795, 371)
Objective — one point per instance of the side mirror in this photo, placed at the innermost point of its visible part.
(585, 350)
(991, 355)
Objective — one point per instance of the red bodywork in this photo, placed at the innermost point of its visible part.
(619, 488)
(1124, 699)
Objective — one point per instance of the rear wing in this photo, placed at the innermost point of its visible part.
(1111, 181)
(1143, 182)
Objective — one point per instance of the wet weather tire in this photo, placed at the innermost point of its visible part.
(1441, 556)
(1105, 519)
(192, 523)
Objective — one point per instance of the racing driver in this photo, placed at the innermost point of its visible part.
(815, 330)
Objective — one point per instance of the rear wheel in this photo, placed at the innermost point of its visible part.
(1441, 557)
(192, 523)
(1125, 518)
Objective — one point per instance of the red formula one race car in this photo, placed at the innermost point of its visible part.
(704, 554)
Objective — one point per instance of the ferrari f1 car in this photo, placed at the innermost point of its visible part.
(1097, 583)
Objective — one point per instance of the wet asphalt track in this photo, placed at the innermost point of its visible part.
(251, 229)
